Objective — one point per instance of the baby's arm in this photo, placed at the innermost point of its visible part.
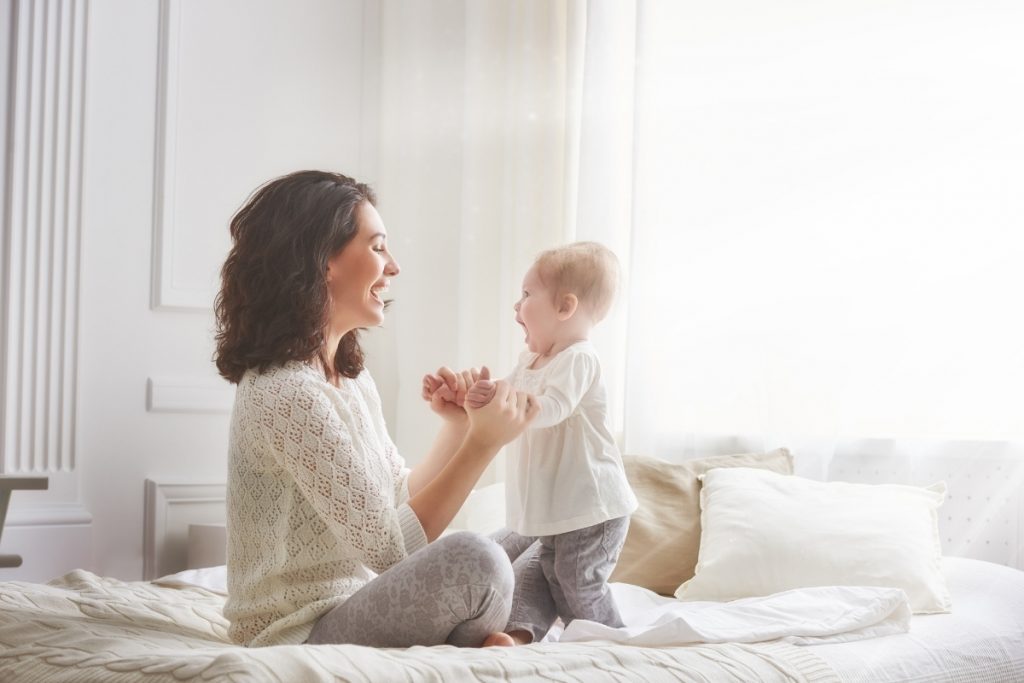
(555, 407)
(565, 388)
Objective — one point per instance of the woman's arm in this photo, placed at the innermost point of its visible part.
(448, 440)
(491, 427)
(445, 403)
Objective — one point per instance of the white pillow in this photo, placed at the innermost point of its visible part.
(764, 532)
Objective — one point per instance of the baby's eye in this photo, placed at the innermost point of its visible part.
(379, 249)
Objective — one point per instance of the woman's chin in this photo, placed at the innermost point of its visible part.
(376, 315)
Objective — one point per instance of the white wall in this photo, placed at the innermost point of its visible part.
(247, 97)
(452, 110)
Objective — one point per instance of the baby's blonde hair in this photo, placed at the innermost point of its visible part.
(587, 269)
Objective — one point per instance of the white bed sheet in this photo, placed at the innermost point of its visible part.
(981, 641)
(800, 616)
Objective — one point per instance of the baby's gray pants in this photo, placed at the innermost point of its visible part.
(565, 575)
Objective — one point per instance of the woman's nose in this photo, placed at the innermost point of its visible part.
(392, 268)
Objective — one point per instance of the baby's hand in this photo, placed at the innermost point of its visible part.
(482, 391)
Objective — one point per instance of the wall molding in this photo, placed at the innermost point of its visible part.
(188, 395)
(166, 293)
(42, 229)
(169, 509)
(52, 514)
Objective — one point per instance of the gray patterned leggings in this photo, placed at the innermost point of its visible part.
(457, 590)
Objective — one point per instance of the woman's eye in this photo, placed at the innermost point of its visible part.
(379, 250)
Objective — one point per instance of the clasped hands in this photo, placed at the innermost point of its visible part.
(494, 408)
(448, 392)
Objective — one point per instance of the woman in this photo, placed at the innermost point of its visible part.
(331, 539)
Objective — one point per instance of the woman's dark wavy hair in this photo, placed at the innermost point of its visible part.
(273, 304)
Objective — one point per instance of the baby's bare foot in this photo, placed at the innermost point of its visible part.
(499, 640)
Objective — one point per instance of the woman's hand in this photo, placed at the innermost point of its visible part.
(443, 484)
(446, 391)
(502, 419)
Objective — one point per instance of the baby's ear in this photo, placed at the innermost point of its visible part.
(567, 306)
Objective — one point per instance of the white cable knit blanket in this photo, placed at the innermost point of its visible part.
(87, 628)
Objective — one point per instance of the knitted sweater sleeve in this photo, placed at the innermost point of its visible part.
(399, 470)
(332, 469)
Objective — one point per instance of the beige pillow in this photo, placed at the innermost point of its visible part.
(664, 533)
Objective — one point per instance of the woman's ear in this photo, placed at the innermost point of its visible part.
(567, 306)
(333, 266)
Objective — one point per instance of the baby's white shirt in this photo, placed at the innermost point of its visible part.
(565, 471)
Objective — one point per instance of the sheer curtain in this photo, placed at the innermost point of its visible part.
(818, 209)
(827, 248)
(494, 139)
(827, 239)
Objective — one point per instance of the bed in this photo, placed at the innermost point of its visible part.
(83, 627)
(982, 640)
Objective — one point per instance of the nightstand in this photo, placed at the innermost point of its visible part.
(9, 483)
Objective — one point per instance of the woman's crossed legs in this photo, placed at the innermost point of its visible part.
(457, 590)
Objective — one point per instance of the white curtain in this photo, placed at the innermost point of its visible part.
(827, 246)
(827, 239)
(493, 143)
(817, 207)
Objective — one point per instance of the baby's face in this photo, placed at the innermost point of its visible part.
(537, 313)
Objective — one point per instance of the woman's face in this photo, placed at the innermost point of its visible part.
(359, 275)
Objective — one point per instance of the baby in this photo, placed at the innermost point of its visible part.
(565, 483)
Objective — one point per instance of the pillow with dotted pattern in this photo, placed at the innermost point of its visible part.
(764, 533)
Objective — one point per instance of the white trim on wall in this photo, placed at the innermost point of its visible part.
(50, 514)
(166, 295)
(188, 395)
(169, 509)
(42, 232)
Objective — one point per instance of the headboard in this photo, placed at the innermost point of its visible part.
(169, 510)
(983, 517)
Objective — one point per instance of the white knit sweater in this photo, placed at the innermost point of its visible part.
(316, 501)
